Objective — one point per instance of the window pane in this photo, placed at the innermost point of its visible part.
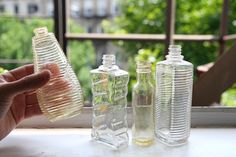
(32, 8)
(198, 17)
(16, 29)
(232, 18)
(87, 55)
(118, 16)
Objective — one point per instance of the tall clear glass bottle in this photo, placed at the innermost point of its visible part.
(109, 88)
(142, 103)
(62, 96)
(174, 78)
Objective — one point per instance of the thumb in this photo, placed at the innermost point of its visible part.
(30, 82)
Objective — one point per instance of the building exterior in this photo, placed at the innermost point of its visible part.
(87, 13)
(27, 8)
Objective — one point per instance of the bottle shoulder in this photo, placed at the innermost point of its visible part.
(174, 63)
(98, 71)
(111, 71)
(143, 86)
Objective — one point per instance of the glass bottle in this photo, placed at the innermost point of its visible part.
(142, 103)
(62, 96)
(174, 78)
(109, 88)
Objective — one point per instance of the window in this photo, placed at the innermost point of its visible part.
(89, 29)
(2, 8)
(32, 8)
(88, 9)
(16, 51)
(50, 9)
(91, 46)
(101, 8)
(16, 9)
(74, 11)
(88, 13)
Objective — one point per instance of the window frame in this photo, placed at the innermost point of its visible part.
(2, 8)
(201, 116)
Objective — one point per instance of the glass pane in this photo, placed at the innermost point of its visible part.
(198, 17)
(87, 55)
(232, 18)
(117, 16)
(149, 17)
(18, 19)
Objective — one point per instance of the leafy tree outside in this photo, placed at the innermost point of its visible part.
(192, 17)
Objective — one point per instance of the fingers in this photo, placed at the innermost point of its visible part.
(23, 71)
(53, 68)
(26, 70)
(27, 83)
(31, 99)
(32, 110)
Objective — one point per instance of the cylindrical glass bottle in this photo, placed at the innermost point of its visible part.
(142, 103)
(174, 78)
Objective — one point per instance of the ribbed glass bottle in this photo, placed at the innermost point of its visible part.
(61, 97)
(142, 103)
(174, 78)
(109, 88)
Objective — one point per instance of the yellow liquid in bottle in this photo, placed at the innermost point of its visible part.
(143, 128)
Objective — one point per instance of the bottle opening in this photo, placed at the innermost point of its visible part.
(143, 67)
(41, 31)
(109, 60)
(174, 52)
(175, 47)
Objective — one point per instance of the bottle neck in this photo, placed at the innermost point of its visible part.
(108, 63)
(174, 53)
(143, 77)
(143, 71)
(108, 60)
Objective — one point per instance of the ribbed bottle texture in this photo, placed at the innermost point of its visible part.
(61, 97)
(174, 78)
(109, 88)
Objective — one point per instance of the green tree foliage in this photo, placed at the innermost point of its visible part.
(2, 70)
(192, 17)
(82, 58)
(15, 37)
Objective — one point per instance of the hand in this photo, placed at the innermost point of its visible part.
(17, 96)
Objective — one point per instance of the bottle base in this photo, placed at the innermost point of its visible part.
(143, 141)
(64, 116)
(172, 142)
(116, 144)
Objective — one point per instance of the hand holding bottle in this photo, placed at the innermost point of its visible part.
(18, 99)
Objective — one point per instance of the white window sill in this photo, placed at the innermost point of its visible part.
(207, 142)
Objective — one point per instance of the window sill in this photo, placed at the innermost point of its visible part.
(215, 142)
(200, 117)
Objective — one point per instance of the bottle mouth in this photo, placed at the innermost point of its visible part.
(175, 47)
(174, 52)
(41, 31)
(143, 66)
(109, 60)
